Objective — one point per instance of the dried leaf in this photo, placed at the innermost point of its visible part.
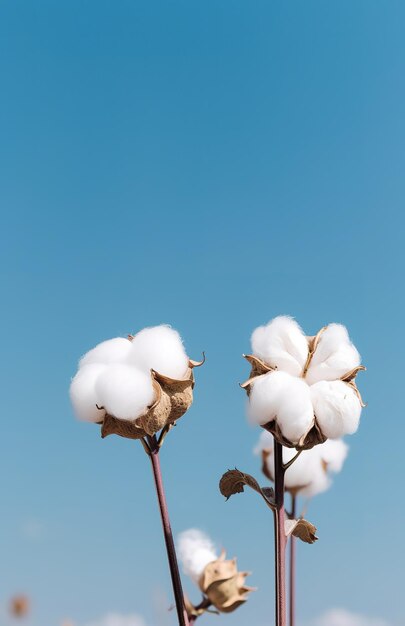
(233, 481)
(302, 529)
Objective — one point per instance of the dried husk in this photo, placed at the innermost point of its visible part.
(173, 398)
(223, 585)
(314, 435)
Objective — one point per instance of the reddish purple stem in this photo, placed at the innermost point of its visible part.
(279, 534)
(292, 565)
(167, 531)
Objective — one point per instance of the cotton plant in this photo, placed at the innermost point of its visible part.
(222, 585)
(302, 391)
(138, 387)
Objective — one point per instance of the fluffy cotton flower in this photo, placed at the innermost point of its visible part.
(301, 388)
(159, 348)
(134, 386)
(195, 551)
(218, 578)
(309, 475)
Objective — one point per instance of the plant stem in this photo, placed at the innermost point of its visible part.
(205, 604)
(167, 531)
(292, 564)
(279, 534)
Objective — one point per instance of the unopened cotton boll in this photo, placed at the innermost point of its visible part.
(111, 351)
(334, 452)
(124, 391)
(281, 344)
(334, 356)
(195, 551)
(83, 393)
(337, 408)
(159, 348)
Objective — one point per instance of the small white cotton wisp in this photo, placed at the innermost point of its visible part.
(195, 550)
(159, 348)
(282, 344)
(83, 394)
(124, 391)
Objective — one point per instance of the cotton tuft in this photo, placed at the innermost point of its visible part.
(337, 408)
(335, 355)
(282, 344)
(83, 394)
(195, 551)
(125, 391)
(159, 348)
(111, 351)
(287, 398)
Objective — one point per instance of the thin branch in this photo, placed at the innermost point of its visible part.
(295, 457)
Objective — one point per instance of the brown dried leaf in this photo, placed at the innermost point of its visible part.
(233, 481)
(302, 529)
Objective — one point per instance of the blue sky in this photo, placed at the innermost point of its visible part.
(209, 165)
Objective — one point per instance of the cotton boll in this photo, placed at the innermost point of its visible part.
(125, 391)
(110, 351)
(159, 348)
(334, 356)
(281, 344)
(195, 551)
(337, 408)
(334, 452)
(83, 394)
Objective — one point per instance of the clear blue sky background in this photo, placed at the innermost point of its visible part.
(209, 165)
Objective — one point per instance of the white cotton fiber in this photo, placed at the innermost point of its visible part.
(83, 393)
(111, 351)
(265, 396)
(334, 452)
(320, 482)
(337, 408)
(334, 356)
(159, 348)
(125, 391)
(195, 550)
(282, 344)
(287, 399)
